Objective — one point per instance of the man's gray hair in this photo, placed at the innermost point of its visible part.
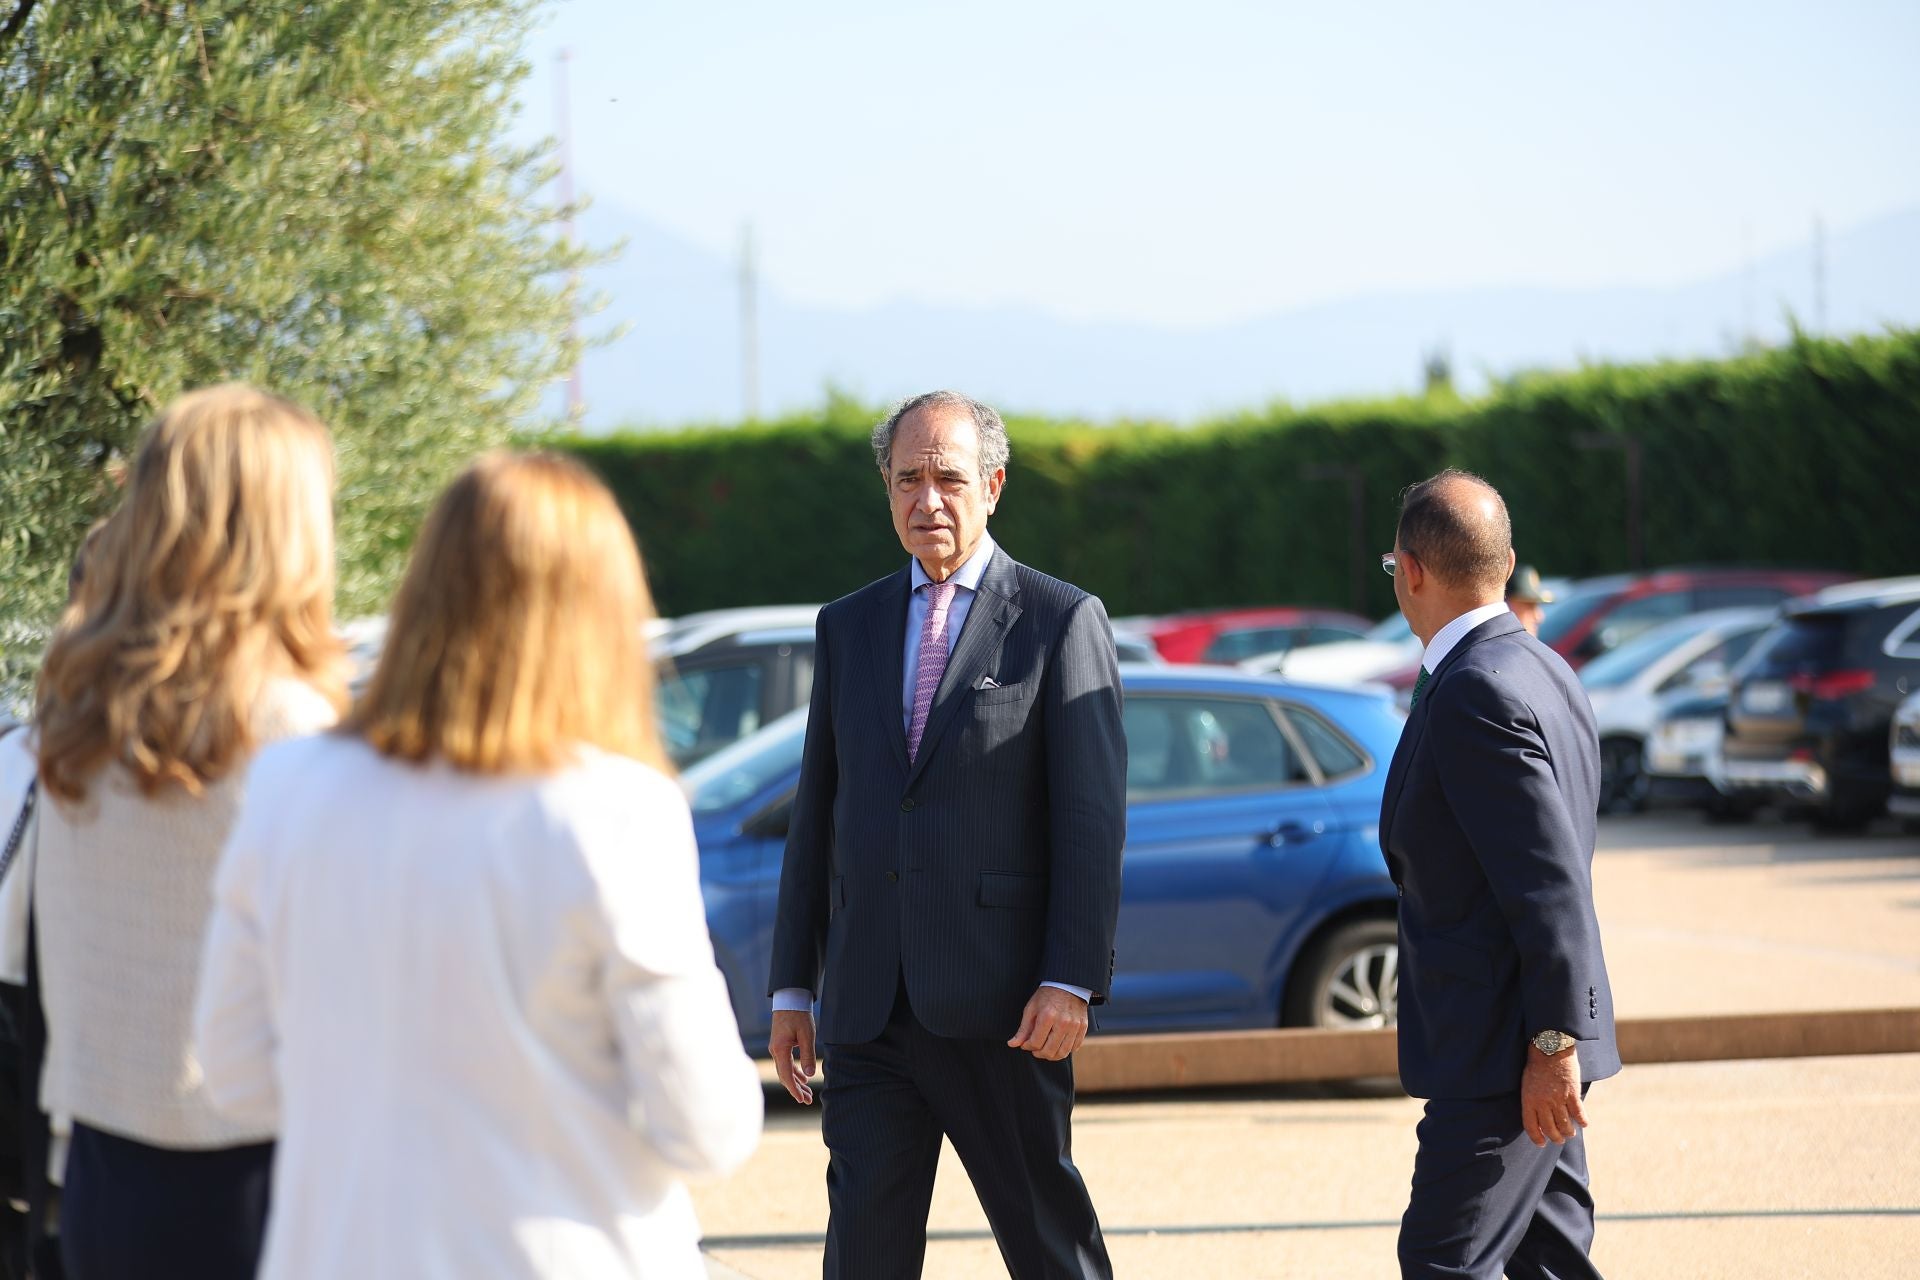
(994, 448)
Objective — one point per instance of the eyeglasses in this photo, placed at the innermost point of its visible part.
(1390, 562)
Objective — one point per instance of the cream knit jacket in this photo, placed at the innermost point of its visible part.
(122, 895)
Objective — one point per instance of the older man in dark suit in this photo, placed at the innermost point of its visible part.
(952, 874)
(1488, 826)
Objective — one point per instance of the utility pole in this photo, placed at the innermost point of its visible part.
(576, 395)
(1819, 275)
(1747, 337)
(749, 330)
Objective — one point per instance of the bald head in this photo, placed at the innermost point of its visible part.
(1456, 525)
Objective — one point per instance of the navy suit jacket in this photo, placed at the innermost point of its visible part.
(1488, 826)
(992, 862)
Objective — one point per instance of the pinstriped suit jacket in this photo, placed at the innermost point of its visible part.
(992, 862)
(1487, 822)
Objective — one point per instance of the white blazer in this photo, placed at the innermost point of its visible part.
(484, 1011)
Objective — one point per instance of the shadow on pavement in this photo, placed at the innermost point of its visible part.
(1770, 839)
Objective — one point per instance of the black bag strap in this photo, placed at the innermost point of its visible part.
(19, 827)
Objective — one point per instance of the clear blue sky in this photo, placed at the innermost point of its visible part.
(1204, 161)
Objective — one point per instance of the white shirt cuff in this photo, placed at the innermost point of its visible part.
(1082, 992)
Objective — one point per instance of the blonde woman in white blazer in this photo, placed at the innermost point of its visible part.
(458, 951)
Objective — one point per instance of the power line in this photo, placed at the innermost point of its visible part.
(1819, 275)
(749, 330)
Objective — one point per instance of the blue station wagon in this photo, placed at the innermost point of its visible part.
(1254, 892)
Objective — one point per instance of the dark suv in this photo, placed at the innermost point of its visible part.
(1811, 707)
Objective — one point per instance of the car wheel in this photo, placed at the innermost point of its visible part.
(1351, 978)
(1623, 776)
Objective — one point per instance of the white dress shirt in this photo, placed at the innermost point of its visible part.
(1454, 632)
(484, 1012)
(967, 578)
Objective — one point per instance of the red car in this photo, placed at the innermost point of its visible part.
(1230, 635)
(1599, 614)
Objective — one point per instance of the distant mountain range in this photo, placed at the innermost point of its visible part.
(679, 359)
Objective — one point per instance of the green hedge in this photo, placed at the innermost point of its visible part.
(1807, 455)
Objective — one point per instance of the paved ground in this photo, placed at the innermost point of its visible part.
(1801, 1168)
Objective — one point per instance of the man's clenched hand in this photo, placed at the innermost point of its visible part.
(1053, 1025)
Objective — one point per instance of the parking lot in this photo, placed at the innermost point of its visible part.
(1783, 1168)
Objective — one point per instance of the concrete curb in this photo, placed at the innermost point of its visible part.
(1113, 1064)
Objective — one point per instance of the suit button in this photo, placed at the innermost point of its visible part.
(906, 806)
(893, 877)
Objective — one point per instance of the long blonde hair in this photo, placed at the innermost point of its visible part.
(516, 635)
(214, 576)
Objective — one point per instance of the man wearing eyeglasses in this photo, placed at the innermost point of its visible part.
(1488, 827)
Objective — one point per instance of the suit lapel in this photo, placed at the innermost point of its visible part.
(887, 637)
(995, 606)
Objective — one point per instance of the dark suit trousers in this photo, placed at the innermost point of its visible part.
(135, 1212)
(1487, 1202)
(884, 1108)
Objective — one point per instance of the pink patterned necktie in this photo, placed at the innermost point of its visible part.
(932, 662)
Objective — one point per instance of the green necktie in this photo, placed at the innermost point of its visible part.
(1419, 685)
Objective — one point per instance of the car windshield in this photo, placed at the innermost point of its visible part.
(745, 768)
(1393, 630)
(1564, 615)
(1611, 670)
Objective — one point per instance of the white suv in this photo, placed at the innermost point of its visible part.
(1904, 753)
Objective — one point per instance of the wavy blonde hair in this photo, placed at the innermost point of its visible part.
(516, 636)
(214, 576)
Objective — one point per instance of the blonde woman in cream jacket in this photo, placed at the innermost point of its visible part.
(200, 630)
